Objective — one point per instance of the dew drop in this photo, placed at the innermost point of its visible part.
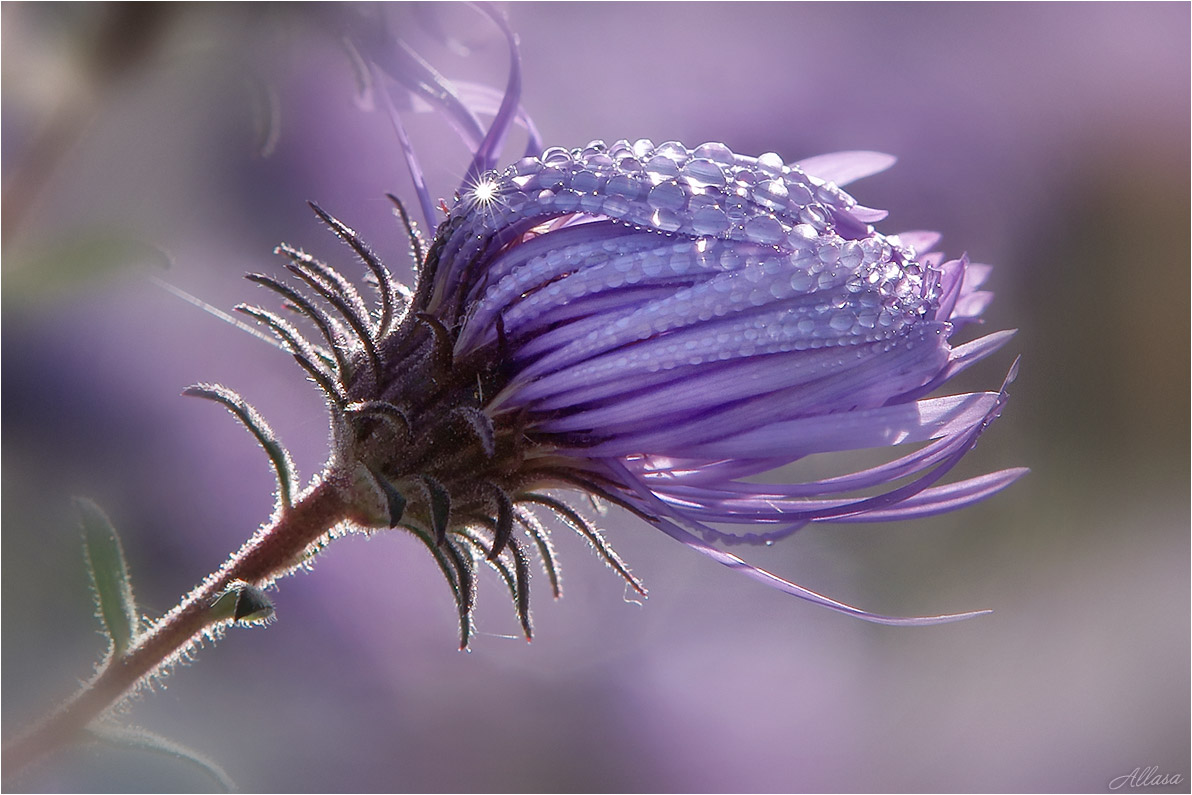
(841, 321)
(716, 152)
(800, 194)
(814, 215)
(801, 281)
(802, 236)
(673, 150)
(763, 229)
(709, 221)
(566, 200)
(549, 178)
(629, 165)
(555, 156)
(771, 163)
(591, 202)
(666, 220)
(771, 194)
(620, 148)
(851, 255)
(584, 181)
(659, 168)
(704, 173)
(616, 206)
(525, 166)
(667, 196)
(622, 185)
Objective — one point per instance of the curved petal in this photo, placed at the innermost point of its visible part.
(844, 168)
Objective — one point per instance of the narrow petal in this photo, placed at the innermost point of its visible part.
(940, 499)
(844, 168)
(786, 586)
(855, 430)
(922, 241)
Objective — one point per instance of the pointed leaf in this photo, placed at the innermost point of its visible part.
(141, 740)
(109, 576)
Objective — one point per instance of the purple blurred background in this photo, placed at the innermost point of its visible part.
(1050, 140)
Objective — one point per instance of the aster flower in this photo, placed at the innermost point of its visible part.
(655, 326)
(650, 324)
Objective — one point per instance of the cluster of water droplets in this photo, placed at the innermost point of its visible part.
(745, 234)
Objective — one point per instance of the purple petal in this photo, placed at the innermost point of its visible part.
(786, 586)
(854, 430)
(940, 499)
(844, 168)
(487, 154)
(922, 241)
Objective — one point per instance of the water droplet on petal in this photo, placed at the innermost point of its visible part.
(673, 150)
(667, 196)
(841, 321)
(771, 163)
(616, 206)
(802, 236)
(801, 281)
(591, 203)
(629, 165)
(555, 156)
(851, 255)
(620, 148)
(702, 172)
(716, 152)
(660, 168)
(584, 181)
(800, 193)
(527, 165)
(709, 221)
(666, 220)
(566, 201)
(622, 185)
(763, 229)
(814, 215)
(548, 179)
(771, 194)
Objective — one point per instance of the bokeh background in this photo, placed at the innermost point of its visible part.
(1050, 140)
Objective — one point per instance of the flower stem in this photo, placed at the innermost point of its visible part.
(272, 552)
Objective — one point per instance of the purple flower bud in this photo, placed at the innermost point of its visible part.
(653, 325)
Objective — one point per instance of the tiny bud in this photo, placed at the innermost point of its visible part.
(243, 603)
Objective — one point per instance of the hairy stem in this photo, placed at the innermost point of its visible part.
(272, 552)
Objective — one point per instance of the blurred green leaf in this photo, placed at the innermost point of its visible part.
(109, 576)
(76, 259)
(140, 740)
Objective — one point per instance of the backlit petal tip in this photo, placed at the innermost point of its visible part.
(786, 586)
(844, 168)
(922, 241)
(942, 499)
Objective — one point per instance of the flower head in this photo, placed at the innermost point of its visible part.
(653, 325)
